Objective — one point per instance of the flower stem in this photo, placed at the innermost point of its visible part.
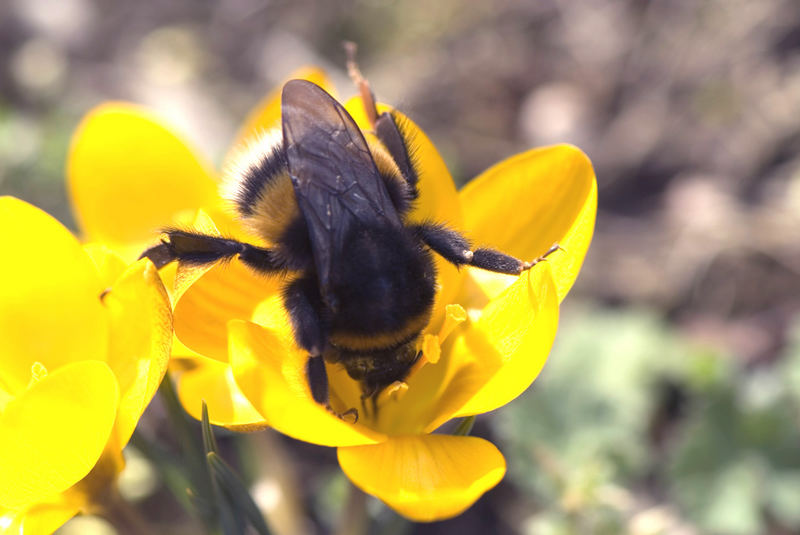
(354, 516)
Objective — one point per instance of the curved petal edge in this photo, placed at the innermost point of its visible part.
(425, 477)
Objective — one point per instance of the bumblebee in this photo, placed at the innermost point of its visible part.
(359, 275)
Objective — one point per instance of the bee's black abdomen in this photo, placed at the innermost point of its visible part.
(385, 290)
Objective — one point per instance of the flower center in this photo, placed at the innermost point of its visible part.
(431, 347)
(431, 344)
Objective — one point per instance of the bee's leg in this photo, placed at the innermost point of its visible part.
(317, 379)
(198, 249)
(302, 301)
(160, 255)
(392, 138)
(493, 260)
(455, 248)
(374, 402)
(369, 392)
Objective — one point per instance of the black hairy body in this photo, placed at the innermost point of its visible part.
(334, 208)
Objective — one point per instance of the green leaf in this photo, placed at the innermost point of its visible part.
(464, 427)
(234, 501)
(209, 441)
(199, 491)
(170, 469)
(236, 493)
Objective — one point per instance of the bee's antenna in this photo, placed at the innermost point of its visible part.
(367, 98)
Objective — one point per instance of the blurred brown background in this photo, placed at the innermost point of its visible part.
(690, 111)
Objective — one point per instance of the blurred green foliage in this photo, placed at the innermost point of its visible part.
(628, 414)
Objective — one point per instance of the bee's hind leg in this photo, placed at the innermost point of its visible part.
(302, 301)
(455, 248)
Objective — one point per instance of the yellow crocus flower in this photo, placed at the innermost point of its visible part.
(84, 343)
(488, 339)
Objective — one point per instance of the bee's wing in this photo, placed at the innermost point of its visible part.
(334, 177)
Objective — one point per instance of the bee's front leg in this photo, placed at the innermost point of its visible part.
(199, 249)
(301, 299)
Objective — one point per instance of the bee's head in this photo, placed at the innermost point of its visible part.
(378, 368)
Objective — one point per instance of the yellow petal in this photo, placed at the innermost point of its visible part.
(227, 291)
(505, 343)
(50, 309)
(425, 477)
(438, 200)
(421, 403)
(267, 113)
(141, 336)
(212, 381)
(509, 345)
(184, 276)
(40, 519)
(95, 486)
(108, 263)
(130, 176)
(54, 432)
(270, 372)
(207, 297)
(525, 204)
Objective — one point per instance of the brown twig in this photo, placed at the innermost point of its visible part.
(367, 98)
